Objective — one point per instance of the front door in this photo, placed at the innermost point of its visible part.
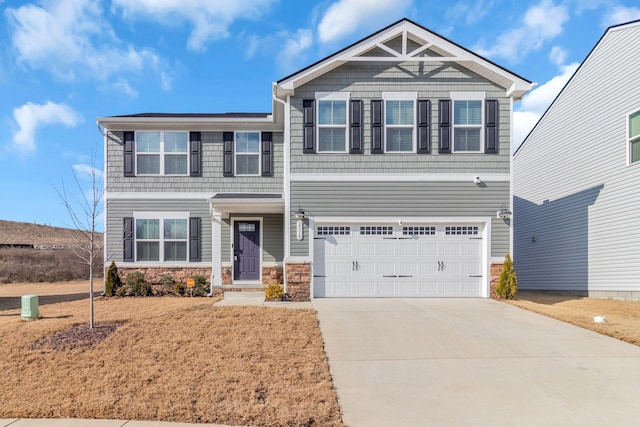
(246, 250)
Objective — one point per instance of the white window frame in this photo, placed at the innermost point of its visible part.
(161, 153)
(467, 96)
(400, 96)
(630, 139)
(161, 216)
(236, 154)
(332, 96)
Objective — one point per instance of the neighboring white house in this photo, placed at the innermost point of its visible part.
(577, 179)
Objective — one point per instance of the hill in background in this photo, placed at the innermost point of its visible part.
(25, 233)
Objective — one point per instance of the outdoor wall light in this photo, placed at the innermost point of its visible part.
(477, 180)
(503, 213)
(299, 214)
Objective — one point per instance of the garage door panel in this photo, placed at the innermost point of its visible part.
(397, 261)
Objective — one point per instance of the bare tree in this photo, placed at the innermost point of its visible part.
(85, 207)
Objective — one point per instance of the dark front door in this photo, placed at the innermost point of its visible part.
(246, 250)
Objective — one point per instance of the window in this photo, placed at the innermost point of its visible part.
(399, 120)
(247, 153)
(334, 230)
(376, 230)
(419, 231)
(634, 137)
(464, 230)
(332, 121)
(162, 153)
(467, 121)
(161, 239)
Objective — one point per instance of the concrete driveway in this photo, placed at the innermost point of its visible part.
(473, 362)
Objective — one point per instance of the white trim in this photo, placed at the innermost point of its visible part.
(630, 139)
(483, 222)
(333, 96)
(511, 247)
(236, 154)
(161, 215)
(124, 195)
(287, 186)
(399, 96)
(216, 248)
(231, 242)
(162, 153)
(467, 96)
(418, 177)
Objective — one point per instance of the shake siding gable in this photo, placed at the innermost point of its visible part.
(367, 81)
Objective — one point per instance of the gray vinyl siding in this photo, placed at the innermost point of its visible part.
(402, 199)
(573, 189)
(211, 180)
(368, 81)
(272, 235)
(119, 209)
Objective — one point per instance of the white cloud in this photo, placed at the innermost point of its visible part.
(558, 55)
(210, 18)
(536, 102)
(293, 47)
(621, 15)
(541, 23)
(84, 170)
(471, 12)
(30, 117)
(122, 85)
(346, 16)
(71, 39)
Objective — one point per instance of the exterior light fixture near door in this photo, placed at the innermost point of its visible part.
(299, 214)
(503, 213)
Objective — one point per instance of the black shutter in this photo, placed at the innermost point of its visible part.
(128, 239)
(376, 127)
(129, 154)
(424, 126)
(227, 141)
(445, 126)
(195, 239)
(491, 126)
(267, 154)
(309, 122)
(195, 154)
(355, 126)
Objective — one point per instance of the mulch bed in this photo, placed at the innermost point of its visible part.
(77, 337)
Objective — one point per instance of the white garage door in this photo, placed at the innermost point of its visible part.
(398, 261)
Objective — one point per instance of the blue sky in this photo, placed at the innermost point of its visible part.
(65, 62)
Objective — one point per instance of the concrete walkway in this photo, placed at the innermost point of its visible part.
(473, 362)
(257, 299)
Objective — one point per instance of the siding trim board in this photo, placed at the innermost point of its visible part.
(380, 177)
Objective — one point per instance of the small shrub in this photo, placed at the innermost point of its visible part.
(508, 283)
(200, 287)
(137, 285)
(274, 291)
(168, 285)
(112, 281)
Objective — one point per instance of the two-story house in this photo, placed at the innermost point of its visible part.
(384, 170)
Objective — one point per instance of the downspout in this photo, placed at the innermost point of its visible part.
(287, 201)
(104, 200)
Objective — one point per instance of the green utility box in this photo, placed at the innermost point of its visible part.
(30, 309)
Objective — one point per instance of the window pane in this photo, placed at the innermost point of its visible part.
(332, 112)
(635, 151)
(247, 142)
(175, 229)
(175, 251)
(466, 139)
(148, 251)
(175, 164)
(175, 142)
(247, 165)
(634, 124)
(147, 229)
(331, 139)
(148, 164)
(467, 112)
(148, 142)
(399, 139)
(399, 112)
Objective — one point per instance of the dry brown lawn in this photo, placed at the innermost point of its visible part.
(173, 359)
(622, 317)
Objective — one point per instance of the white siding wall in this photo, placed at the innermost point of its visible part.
(573, 189)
